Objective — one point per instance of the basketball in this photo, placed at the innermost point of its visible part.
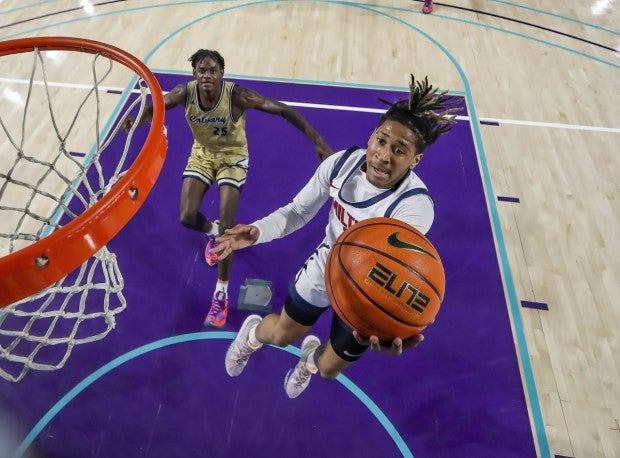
(385, 278)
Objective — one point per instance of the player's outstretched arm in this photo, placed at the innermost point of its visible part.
(171, 99)
(246, 98)
(396, 347)
(235, 238)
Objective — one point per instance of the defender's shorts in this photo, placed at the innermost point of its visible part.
(228, 169)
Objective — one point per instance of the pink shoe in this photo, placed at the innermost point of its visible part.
(218, 311)
(428, 6)
(210, 257)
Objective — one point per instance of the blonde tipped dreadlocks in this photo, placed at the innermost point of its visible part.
(427, 113)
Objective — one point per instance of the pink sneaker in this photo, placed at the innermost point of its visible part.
(211, 258)
(218, 311)
(428, 6)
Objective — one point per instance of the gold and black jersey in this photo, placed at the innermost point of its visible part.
(216, 129)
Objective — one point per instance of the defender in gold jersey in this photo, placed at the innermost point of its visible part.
(215, 111)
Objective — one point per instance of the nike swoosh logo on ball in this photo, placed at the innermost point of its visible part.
(398, 243)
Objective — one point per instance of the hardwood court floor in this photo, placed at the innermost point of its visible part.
(542, 88)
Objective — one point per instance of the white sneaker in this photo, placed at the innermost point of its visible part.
(298, 378)
(240, 350)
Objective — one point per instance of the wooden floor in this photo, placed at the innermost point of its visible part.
(541, 80)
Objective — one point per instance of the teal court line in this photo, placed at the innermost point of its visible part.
(25, 7)
(564, 18)
(344, 3)
(184, 338)
(499, 29)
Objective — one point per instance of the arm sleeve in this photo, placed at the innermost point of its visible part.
(302, 209)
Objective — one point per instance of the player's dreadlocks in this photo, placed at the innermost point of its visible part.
(422, 113)
(203, 54)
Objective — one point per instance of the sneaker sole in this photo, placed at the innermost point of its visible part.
(226, 359)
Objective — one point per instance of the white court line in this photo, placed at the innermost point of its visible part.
(466, 118)
(547, 124)
(67, 85)
(357, 109)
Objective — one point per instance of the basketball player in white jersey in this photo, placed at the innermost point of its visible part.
(362, 183)
(215, 111)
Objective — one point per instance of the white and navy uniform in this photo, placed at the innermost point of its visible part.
(341, 178)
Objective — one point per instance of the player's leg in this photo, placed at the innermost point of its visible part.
(231, 176)
(229, 201)
(428, 6)
(328, 359)
(328, 362)
(307, 301)
(304, 305)
(280, 330)
(192, 193)
(198, 176)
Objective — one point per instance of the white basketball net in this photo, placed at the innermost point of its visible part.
(51, 171)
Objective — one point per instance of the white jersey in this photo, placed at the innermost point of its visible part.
(354, 198)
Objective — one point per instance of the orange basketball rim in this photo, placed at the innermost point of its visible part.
(38, 265)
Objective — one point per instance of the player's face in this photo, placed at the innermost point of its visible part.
(391, 154)
(209, 74)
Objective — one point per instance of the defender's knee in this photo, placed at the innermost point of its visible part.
(189, 221)
(193, 220)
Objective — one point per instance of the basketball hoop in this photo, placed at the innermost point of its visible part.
(71, 208)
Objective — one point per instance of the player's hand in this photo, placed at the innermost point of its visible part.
(235, 238)
(322, 149)
(396, 347)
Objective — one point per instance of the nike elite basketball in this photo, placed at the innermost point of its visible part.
(385, 278)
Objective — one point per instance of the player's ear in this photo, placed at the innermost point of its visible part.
(416, 160)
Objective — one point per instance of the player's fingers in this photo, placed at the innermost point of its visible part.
(412, 342)
(375, 343)
(360, 338)
(222, 254)
(222, 248)
(222, 239)
(397, 346)
(219, 247)
(238, 229)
